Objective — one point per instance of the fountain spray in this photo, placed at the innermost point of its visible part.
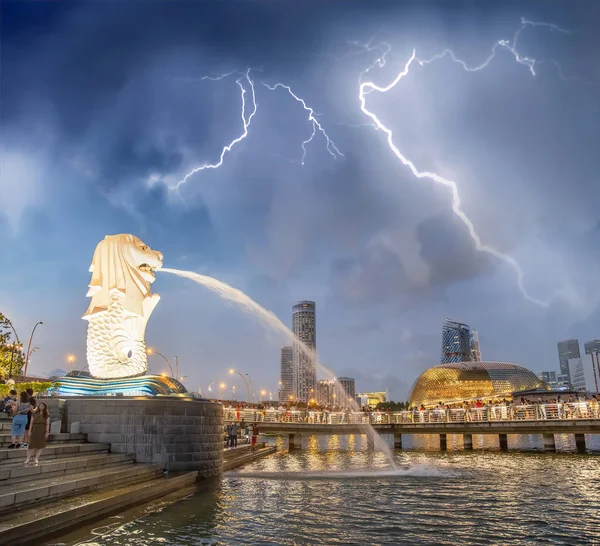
(269, 319)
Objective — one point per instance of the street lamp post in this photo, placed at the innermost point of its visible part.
(210, 386)
(29, 347)
(12, 353)
(221, 390)
(14, 331)
(71, 359)
(177, 365)
(153, 352)
(248, 384)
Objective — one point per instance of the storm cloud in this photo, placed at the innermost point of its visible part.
(104, 109)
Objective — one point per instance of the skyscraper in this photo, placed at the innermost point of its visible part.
(549, 377)
(566, 350)
(305, 367)
(286, 376)
(347, 383)
(592, 348)
(577, 374)
(457, 342)
(326, 395)
(475, 348)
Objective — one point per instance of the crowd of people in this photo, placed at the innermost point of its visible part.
(561, 407)
(567, 407)
(247, 432)
(30, 423)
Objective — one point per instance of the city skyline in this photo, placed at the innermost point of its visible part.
(97, 134)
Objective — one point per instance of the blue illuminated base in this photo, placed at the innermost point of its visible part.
(145, 385)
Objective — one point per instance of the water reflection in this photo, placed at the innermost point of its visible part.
(565, 443)
(327, 493)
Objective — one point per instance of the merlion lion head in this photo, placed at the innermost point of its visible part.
(124, 263)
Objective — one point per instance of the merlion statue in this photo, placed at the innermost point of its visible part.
(122, 302)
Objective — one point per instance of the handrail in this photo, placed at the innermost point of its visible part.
(486, 414)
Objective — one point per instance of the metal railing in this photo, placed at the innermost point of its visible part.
(527, 412)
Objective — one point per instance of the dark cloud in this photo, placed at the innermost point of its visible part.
(102, 108)
(449, 251)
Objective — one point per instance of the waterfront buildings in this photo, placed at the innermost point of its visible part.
(349, 386)
(577, 374)
(567, 349)
(371, 399)
(305, 367)
(455, 382)
(459, 342)
(326, 392)
(335, 392)
(286, 375)
(553, 379)
(548, 377)
(592, 348)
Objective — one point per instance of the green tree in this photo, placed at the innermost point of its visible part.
(12, 359)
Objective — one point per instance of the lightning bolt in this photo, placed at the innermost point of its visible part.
(316, 126)
(366, 87)
(510, 46)
(245, 124)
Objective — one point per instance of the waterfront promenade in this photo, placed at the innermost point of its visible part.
(578, 418)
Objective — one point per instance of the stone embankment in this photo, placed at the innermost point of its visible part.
(106, 455)
(241, 455)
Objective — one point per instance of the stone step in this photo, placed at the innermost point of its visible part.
(54, 451)
(244, 457)
(44, 489)
(33, 525)
(61, 437)
(16, 472)
(5, 426)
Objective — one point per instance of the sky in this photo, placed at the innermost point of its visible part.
(104, 109)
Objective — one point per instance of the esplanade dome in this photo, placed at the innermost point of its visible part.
(459, 381)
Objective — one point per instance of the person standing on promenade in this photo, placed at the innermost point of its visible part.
(32, 403)
(254, 436)
(20, 411)
(233, 435)
(38, 433)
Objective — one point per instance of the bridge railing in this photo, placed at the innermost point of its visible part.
(522, 412)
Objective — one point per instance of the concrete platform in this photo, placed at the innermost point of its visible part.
(44, 489)
(63, 438)
(242, 455)
(32, 526)
(54, 451)
(16, 472)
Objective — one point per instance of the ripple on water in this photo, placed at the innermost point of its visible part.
(352, 498)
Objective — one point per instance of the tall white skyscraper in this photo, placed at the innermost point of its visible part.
(305, 368)
(577, 374)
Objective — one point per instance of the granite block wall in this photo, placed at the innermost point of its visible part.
(181, 434)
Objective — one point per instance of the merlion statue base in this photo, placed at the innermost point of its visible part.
(145, 385)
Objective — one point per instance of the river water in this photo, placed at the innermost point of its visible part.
(334, 491)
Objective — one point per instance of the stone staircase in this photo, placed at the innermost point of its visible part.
(75, 482)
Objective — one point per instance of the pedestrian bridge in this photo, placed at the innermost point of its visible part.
(577, 418)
